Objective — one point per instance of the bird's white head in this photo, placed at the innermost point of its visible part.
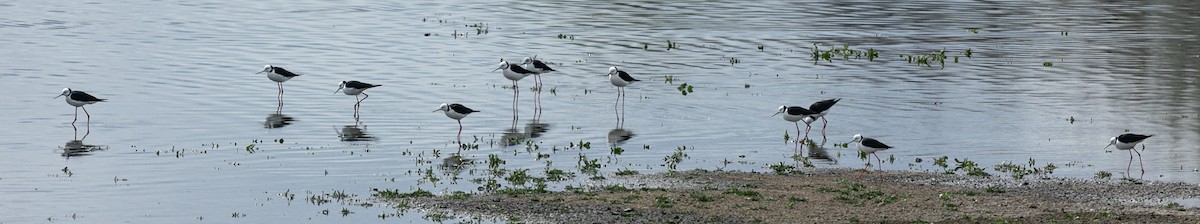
(444, 107)
(66, 92)
(857, 138)
(613, 70)
(503, 65)
(1111, 142)
(267, 68)
(781, 110)
(340, 87)
(526, 61)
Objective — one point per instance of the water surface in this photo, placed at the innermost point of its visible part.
(184, 102)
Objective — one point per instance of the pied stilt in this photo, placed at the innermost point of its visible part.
(538, 67)
(514, 73)
(79, 99)
(870, 146)
(821, 108)
(620, 79)
(279, 75)
(1127, 142)
(457, 112)
(355, 88)
(796, 114)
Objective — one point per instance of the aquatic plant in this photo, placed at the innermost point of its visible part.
(673, 160)
(685, 88)
(845, 52)
(1020, 171)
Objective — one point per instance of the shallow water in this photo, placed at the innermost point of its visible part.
(184, 102)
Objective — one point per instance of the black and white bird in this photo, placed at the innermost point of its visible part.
(79, 99)
(457, 112)
(513, 72)
(355, 88)
(537, 67)
(821, 108)
(1127, 142)
(796, 114)
(620, 79)
(279, 75)
(870, 146)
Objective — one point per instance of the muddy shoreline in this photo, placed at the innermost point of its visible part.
(830, 195)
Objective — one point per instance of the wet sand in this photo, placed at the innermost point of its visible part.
(833, 195)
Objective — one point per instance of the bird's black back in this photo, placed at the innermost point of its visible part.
(870, 142)
(360, 85)
(283, 72)
(822, 106)
(798, 111)
(519, 69)
(538, 64)
(459, 108)
(84, 97)
(1132, 137)
(626, 76)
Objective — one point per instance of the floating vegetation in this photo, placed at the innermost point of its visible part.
(760, 47)
(617, 150)
(684, 89)
(938, 57)
(669, 79)
(591, 167)
(784, 169)
(1102, 175)
(1020, 171)
(565, 36)
(626, 172)
(844, 52)
(1047, 64)
(480, 28)
(672, 45)
(968, 53)
(733, 60)
(673, 160)
(974, 29)
(396, 194)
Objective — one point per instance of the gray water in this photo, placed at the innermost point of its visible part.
(184, 102)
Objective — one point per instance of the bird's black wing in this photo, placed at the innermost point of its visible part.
(360, 85)
(459, 108)
(626, 76)
(822, 106)
(538, 64)
(520, 70)
(870, 142)
(1132, 137)
(84, 97)
(798, 111)
(284, 72)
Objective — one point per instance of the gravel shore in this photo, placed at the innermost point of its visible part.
(833, 195)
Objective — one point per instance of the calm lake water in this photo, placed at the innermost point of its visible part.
(184, 102)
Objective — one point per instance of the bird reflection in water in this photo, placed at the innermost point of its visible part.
(819, 152)
(453, 166)
(354, 133)
(77, 148)
(617, 136)
(536, 128)
(278, 120)
(513, 136)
